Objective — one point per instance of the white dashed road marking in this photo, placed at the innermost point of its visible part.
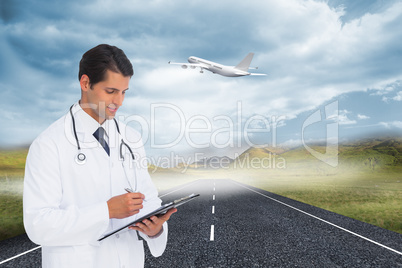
(212, 236)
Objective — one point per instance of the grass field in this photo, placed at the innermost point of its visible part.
(359, 187)
(12, 164)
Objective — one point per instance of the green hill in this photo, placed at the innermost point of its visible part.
(363, 154)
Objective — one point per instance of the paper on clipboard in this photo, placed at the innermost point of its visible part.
(161, 210)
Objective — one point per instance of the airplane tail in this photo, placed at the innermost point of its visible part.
(245, 63)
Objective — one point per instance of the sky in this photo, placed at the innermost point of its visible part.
(341, 54)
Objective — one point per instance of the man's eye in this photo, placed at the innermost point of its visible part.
(109, 91)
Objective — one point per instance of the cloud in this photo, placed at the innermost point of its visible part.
(393, 124)
(357, 8)
(362, 117)
(398, 96)
(343, 118)
(312, 51)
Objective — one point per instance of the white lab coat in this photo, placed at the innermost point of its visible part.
(65, 204)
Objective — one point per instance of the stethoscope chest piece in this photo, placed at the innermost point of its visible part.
(80, 159)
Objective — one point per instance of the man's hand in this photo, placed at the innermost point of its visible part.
(153, 226)
(125, 205)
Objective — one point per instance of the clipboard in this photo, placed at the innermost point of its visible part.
(159, 211)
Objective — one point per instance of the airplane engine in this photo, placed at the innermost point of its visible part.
(192, 67)
(184, 66)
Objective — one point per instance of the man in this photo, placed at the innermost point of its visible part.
(77, 171)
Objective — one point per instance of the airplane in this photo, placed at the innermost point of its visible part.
(240, 69)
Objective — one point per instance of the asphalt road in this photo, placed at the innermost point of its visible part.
(236, 225)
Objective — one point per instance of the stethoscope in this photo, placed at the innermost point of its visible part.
(81, 157)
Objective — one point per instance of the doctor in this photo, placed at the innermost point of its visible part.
(77, 171)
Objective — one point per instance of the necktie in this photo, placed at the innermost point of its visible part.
(99, 134)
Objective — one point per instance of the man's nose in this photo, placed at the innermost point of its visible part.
(118, 99)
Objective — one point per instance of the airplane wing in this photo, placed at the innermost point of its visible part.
(186, 65)
(257, 74)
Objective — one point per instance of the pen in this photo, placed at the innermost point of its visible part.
(129, 190)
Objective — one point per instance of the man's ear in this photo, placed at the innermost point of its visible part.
(85, 83)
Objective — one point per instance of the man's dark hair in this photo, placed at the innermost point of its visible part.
(96, 61)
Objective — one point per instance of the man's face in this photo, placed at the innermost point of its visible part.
(102, 100)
